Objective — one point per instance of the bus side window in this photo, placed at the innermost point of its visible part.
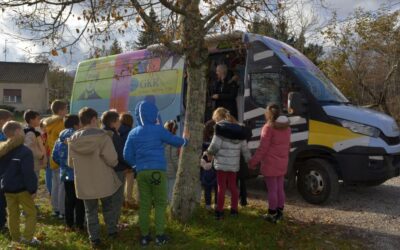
(266, 88)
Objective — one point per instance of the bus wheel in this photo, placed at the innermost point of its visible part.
(317, 181)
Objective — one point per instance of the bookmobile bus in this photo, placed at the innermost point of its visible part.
(332, 140)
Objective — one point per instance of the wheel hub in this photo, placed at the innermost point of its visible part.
(314, 182)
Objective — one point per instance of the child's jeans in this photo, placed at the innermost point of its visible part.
(276, 192)
(227, 180)
(74, 207)
(208, 194)
(118, 197)
(152, 190)
(13, 208)
(3, 214)
(92, 215)
(57, 192)
(48, 179)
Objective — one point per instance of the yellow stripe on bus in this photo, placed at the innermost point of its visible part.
(328, 135)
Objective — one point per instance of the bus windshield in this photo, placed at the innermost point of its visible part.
(320, 86)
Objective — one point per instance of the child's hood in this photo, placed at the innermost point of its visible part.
(66, 133)
(53, 121)
(146, 112)
(123, 129)
(86, 141)
(9, 145)
(231, 131)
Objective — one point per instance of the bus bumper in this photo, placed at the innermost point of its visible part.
(368, 165)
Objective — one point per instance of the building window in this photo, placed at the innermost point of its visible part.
(12, 96)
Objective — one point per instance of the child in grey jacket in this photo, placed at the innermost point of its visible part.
(228, 143)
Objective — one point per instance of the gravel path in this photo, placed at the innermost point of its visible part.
(370, 212)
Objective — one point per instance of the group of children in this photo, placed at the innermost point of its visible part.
(90, 165)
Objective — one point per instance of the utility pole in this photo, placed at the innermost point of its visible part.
(5, 50)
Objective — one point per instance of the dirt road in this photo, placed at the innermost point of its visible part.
(370, 212)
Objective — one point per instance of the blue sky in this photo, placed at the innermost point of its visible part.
(18, 51)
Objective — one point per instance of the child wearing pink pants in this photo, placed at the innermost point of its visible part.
(273, 154)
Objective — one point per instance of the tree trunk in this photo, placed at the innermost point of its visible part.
(187, 186)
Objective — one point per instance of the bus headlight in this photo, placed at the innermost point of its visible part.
(360, 128)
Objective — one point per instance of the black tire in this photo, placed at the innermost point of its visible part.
(317, 181)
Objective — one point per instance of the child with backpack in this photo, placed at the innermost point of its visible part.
(145, 150)
(74, 207)
(228, 143)
(19, 184)
(273, 154)
(33, 140)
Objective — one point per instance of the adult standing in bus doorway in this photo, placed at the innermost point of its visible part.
(225, 90)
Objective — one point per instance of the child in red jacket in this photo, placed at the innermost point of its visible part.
(273, 154)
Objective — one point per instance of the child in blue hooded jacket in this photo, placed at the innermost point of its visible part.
(74, 207)
(144, 149)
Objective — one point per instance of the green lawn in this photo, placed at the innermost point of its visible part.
(248, 231)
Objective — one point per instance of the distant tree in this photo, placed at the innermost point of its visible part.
(364, 58)
(148, 35)
(60, 81)
(115, 48)
(281, 31)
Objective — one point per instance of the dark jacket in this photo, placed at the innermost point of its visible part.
(124, 132)
(19, 174)
(119, 147)
(145, 145)
(208, 178)
(227, 93)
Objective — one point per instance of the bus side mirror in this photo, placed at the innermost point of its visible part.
(296, 103)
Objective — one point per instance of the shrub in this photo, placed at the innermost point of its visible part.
(7, 107)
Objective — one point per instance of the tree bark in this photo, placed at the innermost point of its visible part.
(187, 186)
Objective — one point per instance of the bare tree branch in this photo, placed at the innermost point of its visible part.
(174, 8)
(227, 7)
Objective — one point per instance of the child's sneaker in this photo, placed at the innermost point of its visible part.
(161, 240)
(33, 242)
(219, 215)
(60, 216)
(234, 213)
(271, 217)
(145, 240)
(113, 235)
(279, 215)
(96, 244)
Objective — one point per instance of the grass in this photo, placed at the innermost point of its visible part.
(248, 231)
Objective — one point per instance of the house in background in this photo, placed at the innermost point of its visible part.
(24, 85)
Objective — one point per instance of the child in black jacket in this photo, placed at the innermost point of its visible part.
(19, 183)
